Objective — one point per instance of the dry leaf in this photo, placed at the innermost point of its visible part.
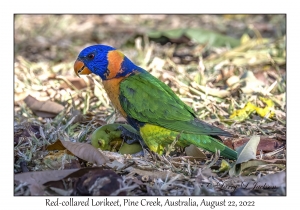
(266, 144)
(195, 152)
(115, 165)
(248, 151)
(232, 80)
(56, 146)
(36, 179)
(268, 182)
(45, 109)
(87, 181)
(84, 151)
(245, 153)
(26, 131)
(114, 156)
(250, 83)
(99, 182)
(278, 179)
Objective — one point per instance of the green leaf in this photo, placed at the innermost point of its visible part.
(197, 35)
(225, 166)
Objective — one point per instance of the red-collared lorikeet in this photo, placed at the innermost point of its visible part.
(148, 104)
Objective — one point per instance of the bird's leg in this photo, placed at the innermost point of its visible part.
(131, 137)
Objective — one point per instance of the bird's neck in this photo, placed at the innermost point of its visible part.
(120, 66)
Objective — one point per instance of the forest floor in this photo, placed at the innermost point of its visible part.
(231, 69)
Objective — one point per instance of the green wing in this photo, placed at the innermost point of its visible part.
(147, 99)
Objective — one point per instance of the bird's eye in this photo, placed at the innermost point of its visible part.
(91, 56)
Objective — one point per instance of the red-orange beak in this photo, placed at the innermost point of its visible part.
(80, 68)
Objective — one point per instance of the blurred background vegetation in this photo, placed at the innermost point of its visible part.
(190, 47)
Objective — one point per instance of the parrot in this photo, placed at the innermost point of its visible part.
(148, 104)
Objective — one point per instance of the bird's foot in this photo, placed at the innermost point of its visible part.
(131, 137)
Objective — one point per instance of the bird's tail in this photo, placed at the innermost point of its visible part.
(211, 144)
(229, 153)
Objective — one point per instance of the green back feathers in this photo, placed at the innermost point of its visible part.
(147, 99)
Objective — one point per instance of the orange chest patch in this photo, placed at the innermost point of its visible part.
(112, 88)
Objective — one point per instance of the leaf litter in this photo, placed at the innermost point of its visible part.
(216, 79)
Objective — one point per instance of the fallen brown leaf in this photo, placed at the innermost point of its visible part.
(99, 182)
(89, 181)
(46, 109)
(26, 131)
(82, 150)
(274, 180)
(269, 181)
(36, 179)
(266, 144)
(195, 152)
